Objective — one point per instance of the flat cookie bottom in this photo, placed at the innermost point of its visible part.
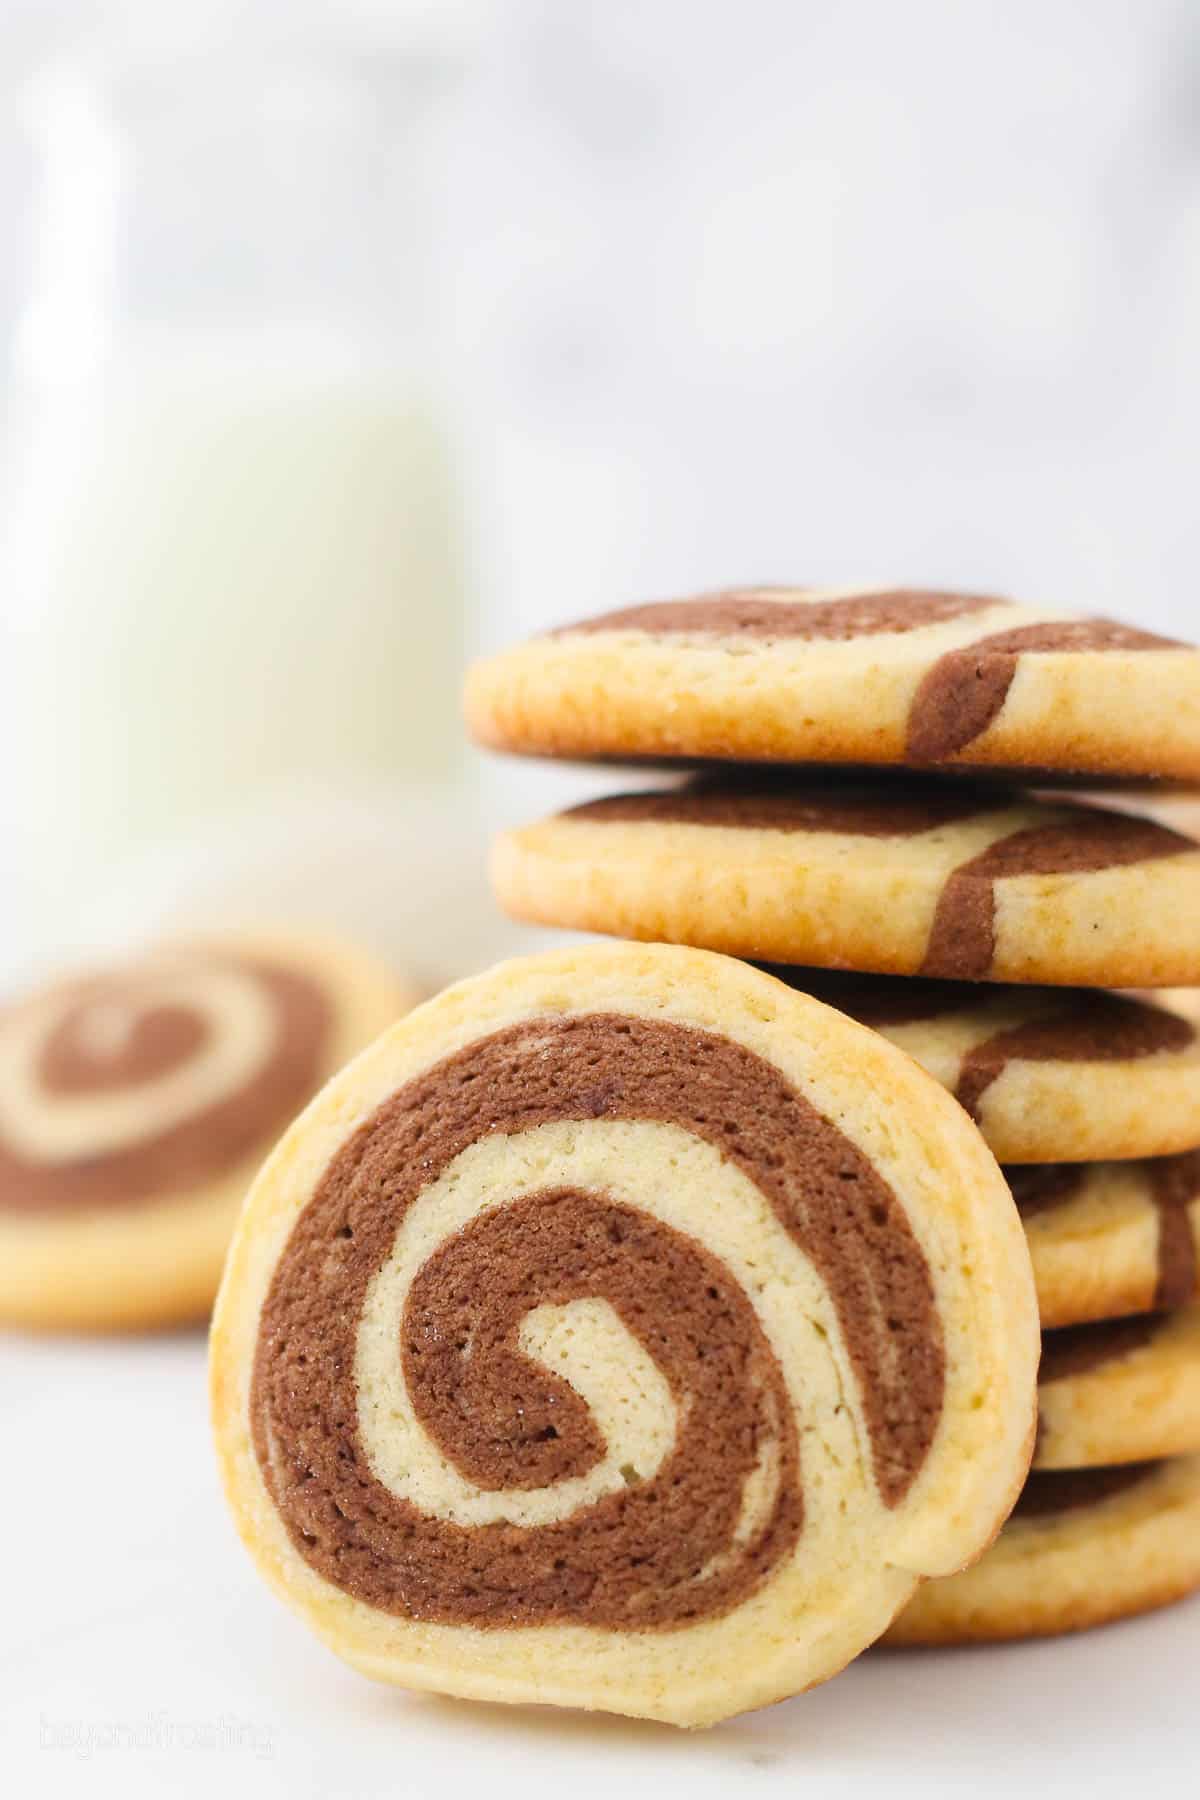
(1088, 1078)
(1070, 1571)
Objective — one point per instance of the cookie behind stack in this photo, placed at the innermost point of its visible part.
(137, 1099)
(905, 895)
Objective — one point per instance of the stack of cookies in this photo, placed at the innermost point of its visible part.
(855, 820)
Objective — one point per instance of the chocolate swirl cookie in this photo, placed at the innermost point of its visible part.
(1048, 1074)
(1123, 1390)
(871, 676)
(1083, 1547)
(137, 1100)
(937, 881)
(592, 1340)
(1112, 1238)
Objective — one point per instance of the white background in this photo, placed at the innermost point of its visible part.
(759, 291)
(791, 290)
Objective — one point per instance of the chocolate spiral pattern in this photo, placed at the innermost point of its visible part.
(770, 613)
(1119, 1390)
(964, 689)
(962, 938)
(1053, 1026)
(961, 947)
(152, 1078)
(1169, 1186)
(498, 1382)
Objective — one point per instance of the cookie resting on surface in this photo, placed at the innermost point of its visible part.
(593, 1340)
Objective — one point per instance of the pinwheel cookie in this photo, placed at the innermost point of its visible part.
(1122, 1391)
(136, 1103)
(903, 880)
(624, 1330)
(864, 675)
(1083, 1547)
(1111, 1239)
(1048, 1074)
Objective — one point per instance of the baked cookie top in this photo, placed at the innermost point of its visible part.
(880, 676)
(602, 1336)
(1048, 1074)
(908, 879)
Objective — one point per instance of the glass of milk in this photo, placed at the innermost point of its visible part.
(233, 571)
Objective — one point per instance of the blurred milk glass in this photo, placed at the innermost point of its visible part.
(237, 593)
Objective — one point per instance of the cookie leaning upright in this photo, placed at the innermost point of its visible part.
(891, 677)
(138, 1099)
(623, 1330)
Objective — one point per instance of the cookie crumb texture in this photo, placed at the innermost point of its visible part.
(590, 1341)
(891, 677)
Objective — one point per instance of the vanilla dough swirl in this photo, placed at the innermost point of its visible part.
(152, 1078)
(495, 1386)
